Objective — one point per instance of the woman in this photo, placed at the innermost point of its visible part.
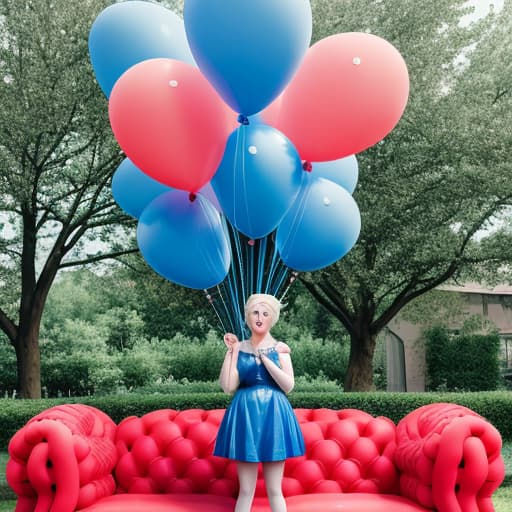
(259, 425)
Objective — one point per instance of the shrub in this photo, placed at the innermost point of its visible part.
(313, 357)
(496, 407)
(197, 361)
(464, 363)
(7, 367)
(141, 366)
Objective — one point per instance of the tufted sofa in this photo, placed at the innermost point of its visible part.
(74, 457)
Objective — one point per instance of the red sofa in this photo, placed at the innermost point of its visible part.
(73, 457)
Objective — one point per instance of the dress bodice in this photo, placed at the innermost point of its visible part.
(252, 372)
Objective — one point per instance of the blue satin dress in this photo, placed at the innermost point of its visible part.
(259, 425)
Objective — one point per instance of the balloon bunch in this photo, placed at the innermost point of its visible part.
(223, 116)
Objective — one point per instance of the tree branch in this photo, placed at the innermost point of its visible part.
(330, 305)
(99, 257)
(8, 326)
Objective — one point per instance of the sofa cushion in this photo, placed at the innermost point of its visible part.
(192, 503)
(167, 451)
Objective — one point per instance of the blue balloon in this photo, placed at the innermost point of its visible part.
(133, 190)
(184, 240)
(320, 228)
(127, 33)
(248, 50)
(344, 172)
(258, 179)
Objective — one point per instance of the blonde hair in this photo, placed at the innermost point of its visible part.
(268, 300)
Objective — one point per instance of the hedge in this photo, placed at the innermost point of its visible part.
(462, 362)
(496, 407)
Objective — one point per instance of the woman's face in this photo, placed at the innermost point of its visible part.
(259, 318)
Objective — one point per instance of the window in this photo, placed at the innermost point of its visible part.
(506, 351)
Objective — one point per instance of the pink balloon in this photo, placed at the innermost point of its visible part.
(170, 122)
(348, 94)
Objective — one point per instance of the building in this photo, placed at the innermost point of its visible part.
(405, 348)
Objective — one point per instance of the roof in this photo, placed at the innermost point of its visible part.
(502, 289)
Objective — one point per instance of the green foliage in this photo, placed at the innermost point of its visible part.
(57, 156)
(303, 384)
(7, 367)
(467, 362)
(441, 175)
(195, 360)
(313, 356)
(496, 407)
(124, 326)
(140, 365)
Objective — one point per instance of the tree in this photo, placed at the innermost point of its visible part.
(57, 157)
(429, 189)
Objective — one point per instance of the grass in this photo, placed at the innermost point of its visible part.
(502, 498)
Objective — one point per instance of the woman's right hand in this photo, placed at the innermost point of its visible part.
(231, 341)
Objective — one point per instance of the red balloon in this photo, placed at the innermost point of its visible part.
(170, 122)
(348, 94)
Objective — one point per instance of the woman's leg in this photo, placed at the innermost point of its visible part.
(273, 474)
(247, 476)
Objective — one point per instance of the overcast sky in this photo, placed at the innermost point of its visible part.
(482, 6)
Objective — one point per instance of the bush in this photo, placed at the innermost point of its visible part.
(7, 367)
(140, 366)
(68, 374)
(314, 357)
(461, 363)
(496, 407)
(199, 361)
(302, 384)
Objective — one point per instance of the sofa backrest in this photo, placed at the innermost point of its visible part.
(167, 451)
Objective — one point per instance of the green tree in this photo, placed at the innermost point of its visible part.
(166, 308)
(426, 191)
(57, 157)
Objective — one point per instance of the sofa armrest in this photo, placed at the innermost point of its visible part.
(62, 459)
(449, 458)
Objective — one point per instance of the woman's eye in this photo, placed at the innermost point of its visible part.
(265, 314)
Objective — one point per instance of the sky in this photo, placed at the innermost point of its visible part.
(482, 6)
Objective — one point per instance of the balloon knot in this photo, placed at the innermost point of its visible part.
(243, 119)
(192, 197)
(307, 166)
(251, 242)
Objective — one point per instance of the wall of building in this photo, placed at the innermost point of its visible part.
(493, 307)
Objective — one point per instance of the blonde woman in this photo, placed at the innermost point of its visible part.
(259, 424)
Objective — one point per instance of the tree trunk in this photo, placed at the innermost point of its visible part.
(28, 361)
(359, 375)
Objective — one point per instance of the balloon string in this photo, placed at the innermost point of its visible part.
(239, 301)
(261, 263)
(230, 286)
(216, 309)
(274, 263)
(243, 176)
(290, 282)
(299, 214)
(256, 268)
(235, 174)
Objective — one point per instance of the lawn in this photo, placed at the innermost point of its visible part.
(502, 498)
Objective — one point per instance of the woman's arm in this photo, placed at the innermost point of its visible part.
(229, 379)
(283, 376)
